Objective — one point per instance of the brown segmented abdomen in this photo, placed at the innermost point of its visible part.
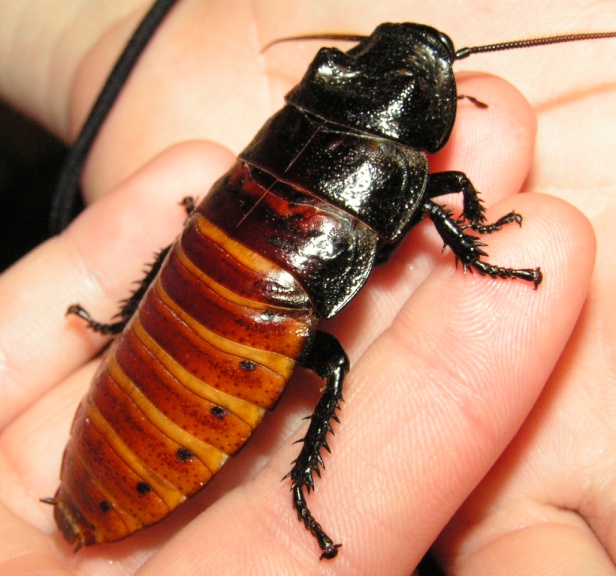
(210, 348)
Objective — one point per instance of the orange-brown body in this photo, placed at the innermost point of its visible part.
(209, 349)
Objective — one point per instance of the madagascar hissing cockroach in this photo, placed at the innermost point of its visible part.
(329, 187)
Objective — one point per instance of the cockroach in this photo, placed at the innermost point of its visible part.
(329, 187)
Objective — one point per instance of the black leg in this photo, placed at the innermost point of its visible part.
(453, 182)
(473, 212)
(473, 100)
(108, 329)
(329, 361)
(128, 306)
(189, 203)
(467, 248)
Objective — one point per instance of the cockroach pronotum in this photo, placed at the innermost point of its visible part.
(328, 188)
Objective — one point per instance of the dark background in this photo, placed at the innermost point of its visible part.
(30, 162)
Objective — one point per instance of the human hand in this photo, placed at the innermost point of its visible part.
(432, 399)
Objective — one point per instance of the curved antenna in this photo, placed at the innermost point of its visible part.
(466, 52)
(344, 37)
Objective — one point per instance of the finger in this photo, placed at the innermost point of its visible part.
(30, 451)
(94, 263)
(560, 548)
(551, 493)
(507, 122)
(24, 549)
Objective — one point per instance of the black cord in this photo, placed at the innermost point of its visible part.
(68, 190)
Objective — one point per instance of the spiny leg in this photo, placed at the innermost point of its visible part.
(473, 211)
(467, 248)
(128, 306)
(453, 182)
(329, 361)
(108, 329)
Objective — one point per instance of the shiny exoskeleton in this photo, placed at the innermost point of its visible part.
(327, 189)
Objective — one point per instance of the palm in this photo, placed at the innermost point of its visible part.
(422, 423)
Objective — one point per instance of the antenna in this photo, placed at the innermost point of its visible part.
(463, 52)
(344, 37)
(466, 52)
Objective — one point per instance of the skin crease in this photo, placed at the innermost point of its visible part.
(478, 413)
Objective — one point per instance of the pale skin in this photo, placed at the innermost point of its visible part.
(436, 443)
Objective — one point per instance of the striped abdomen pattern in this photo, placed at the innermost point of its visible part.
(209, 349)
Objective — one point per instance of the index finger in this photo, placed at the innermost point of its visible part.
(93, 262)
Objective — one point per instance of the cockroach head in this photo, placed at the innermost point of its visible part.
(396, 83)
